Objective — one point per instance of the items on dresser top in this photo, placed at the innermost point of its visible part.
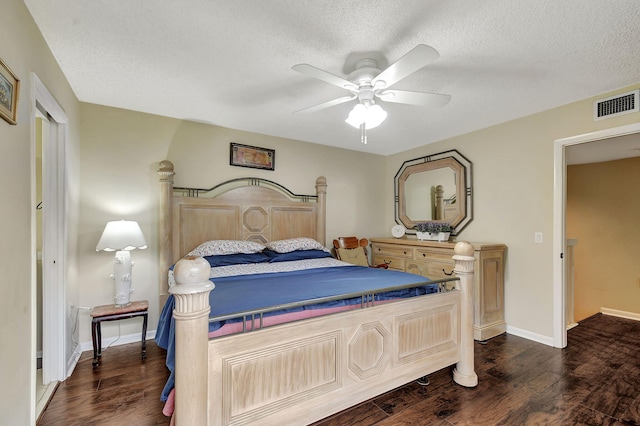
(433, 259)
(398, 231)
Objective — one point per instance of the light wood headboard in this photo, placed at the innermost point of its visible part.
(251, 209)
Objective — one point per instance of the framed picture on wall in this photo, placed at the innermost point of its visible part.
(9, 89)
(252, 156)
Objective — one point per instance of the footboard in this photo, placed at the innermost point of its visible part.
(301, 372)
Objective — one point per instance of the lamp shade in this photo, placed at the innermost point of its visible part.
(371, 115)
(121, 235)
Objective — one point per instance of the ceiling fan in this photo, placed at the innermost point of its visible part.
(367, 82)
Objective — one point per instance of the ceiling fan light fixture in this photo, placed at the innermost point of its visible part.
(371, 116)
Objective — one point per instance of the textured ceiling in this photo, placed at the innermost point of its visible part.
(610, 149)
(229, 62)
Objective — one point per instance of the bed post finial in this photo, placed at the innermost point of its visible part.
(191, 316)
(464, 373)
(321, 192)
(165, 223)
(165, 171)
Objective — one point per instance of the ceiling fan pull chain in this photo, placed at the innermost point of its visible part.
(363, 138)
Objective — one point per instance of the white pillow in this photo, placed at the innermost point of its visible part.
(222, 247)
(293, 244)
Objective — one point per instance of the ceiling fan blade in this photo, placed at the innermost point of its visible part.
(324, 76)
(411, 62)
(327, 104)
(415, 98)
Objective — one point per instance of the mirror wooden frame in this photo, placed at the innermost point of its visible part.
(460, 165)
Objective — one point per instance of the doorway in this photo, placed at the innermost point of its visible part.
(48, 231)
(559, 210)
(44, 389)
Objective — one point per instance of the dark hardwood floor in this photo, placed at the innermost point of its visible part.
(123, 390)
(594, 381)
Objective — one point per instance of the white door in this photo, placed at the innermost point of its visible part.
(53, 196)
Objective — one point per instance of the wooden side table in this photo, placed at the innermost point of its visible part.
(112, 313)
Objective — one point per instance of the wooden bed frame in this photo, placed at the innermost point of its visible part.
(299, 372)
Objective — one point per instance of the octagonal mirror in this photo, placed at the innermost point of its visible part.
(434, 188)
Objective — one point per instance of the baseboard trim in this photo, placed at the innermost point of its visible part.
(571, 325)
(549, 340)
(73, 361)
(115, 341)
(621, 314)
(545, 340)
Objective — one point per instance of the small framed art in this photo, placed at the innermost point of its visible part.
(9, 90)
(252, 156)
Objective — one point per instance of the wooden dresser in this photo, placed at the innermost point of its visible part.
(433, 259)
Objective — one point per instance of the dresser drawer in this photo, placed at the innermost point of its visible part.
(436, 270)
(434, 254)
(393, 262)
(391, 250)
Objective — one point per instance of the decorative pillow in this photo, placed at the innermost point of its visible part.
(293, 244)
(237, 259)
(295, 255)
(355, 256)
(222, 247)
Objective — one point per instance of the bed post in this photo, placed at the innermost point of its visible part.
(464, 373)
(191, 316)
(321, 192)
(165, 171)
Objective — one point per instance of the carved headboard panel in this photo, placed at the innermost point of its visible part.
(240, 209)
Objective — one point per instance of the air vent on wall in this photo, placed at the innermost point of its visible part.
(616, 105)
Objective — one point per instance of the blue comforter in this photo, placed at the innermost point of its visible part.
(249, 292)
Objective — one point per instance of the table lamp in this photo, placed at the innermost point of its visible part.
(121, 236)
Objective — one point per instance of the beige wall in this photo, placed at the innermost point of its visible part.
(513, 168)
(603, 213)
(24, 51)
(119, 155)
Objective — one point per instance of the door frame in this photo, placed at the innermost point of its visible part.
(54, 244)
(559, 217)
